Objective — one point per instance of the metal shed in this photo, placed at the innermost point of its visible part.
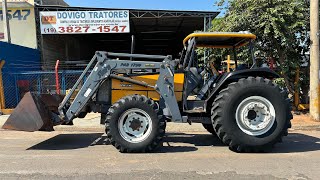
(155, 32)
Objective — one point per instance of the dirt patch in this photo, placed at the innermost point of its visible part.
(304, 121)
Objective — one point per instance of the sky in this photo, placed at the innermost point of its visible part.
(198, 5)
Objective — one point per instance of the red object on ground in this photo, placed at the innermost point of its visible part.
(57, 77)
(23, 83)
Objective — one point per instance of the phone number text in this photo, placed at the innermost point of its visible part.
(84, 29)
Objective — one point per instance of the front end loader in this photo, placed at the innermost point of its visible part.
(136, 99)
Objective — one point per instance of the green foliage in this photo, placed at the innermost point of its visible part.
(280, 82)
(281, 27)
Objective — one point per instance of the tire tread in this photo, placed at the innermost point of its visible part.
(160, 131)
(217, 119)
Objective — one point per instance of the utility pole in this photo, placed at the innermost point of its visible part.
(6, 25)
(314, 61)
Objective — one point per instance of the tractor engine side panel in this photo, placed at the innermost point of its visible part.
(121, 89)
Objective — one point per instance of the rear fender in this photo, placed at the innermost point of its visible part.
(228, 78)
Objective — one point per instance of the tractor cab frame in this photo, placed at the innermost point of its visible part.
(204, 83)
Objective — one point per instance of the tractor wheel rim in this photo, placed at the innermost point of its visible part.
(135, 125)
(255, 115)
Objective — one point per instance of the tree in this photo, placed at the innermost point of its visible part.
(281, 26)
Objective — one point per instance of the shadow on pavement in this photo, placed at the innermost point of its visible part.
(191, 142)
(195, 139)
(297, 142)
(175, 142)
(68, 141)
(77, 141)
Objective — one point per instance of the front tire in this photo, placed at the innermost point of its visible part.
(133, 125)
(251, 115)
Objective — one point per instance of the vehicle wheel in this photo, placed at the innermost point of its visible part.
(133, 125)
(209, 128)
(251, 115)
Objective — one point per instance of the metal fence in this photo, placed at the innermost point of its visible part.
(15, 85)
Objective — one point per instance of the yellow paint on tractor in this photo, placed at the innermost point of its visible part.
(222, 37)
(121, 89)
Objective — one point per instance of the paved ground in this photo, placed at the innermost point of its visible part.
(188, 153)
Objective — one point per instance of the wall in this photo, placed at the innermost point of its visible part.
(63, 48)
(27, 59)
(22, 23)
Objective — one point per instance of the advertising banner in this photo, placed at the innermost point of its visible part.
(80, 22)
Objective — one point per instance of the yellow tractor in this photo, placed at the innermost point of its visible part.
(244, 108)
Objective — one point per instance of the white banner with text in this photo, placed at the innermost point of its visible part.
(79, 22)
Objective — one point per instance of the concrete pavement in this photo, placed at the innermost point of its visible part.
(92, 122)
(189, 152)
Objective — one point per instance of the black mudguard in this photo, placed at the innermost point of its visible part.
(228, 78)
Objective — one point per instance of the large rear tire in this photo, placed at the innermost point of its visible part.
(251, 115)
(133, 125)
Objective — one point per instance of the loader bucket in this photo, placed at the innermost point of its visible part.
(34, 113)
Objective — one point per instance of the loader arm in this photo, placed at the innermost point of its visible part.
(103, 69)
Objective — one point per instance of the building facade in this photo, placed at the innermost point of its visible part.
(21, 14)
